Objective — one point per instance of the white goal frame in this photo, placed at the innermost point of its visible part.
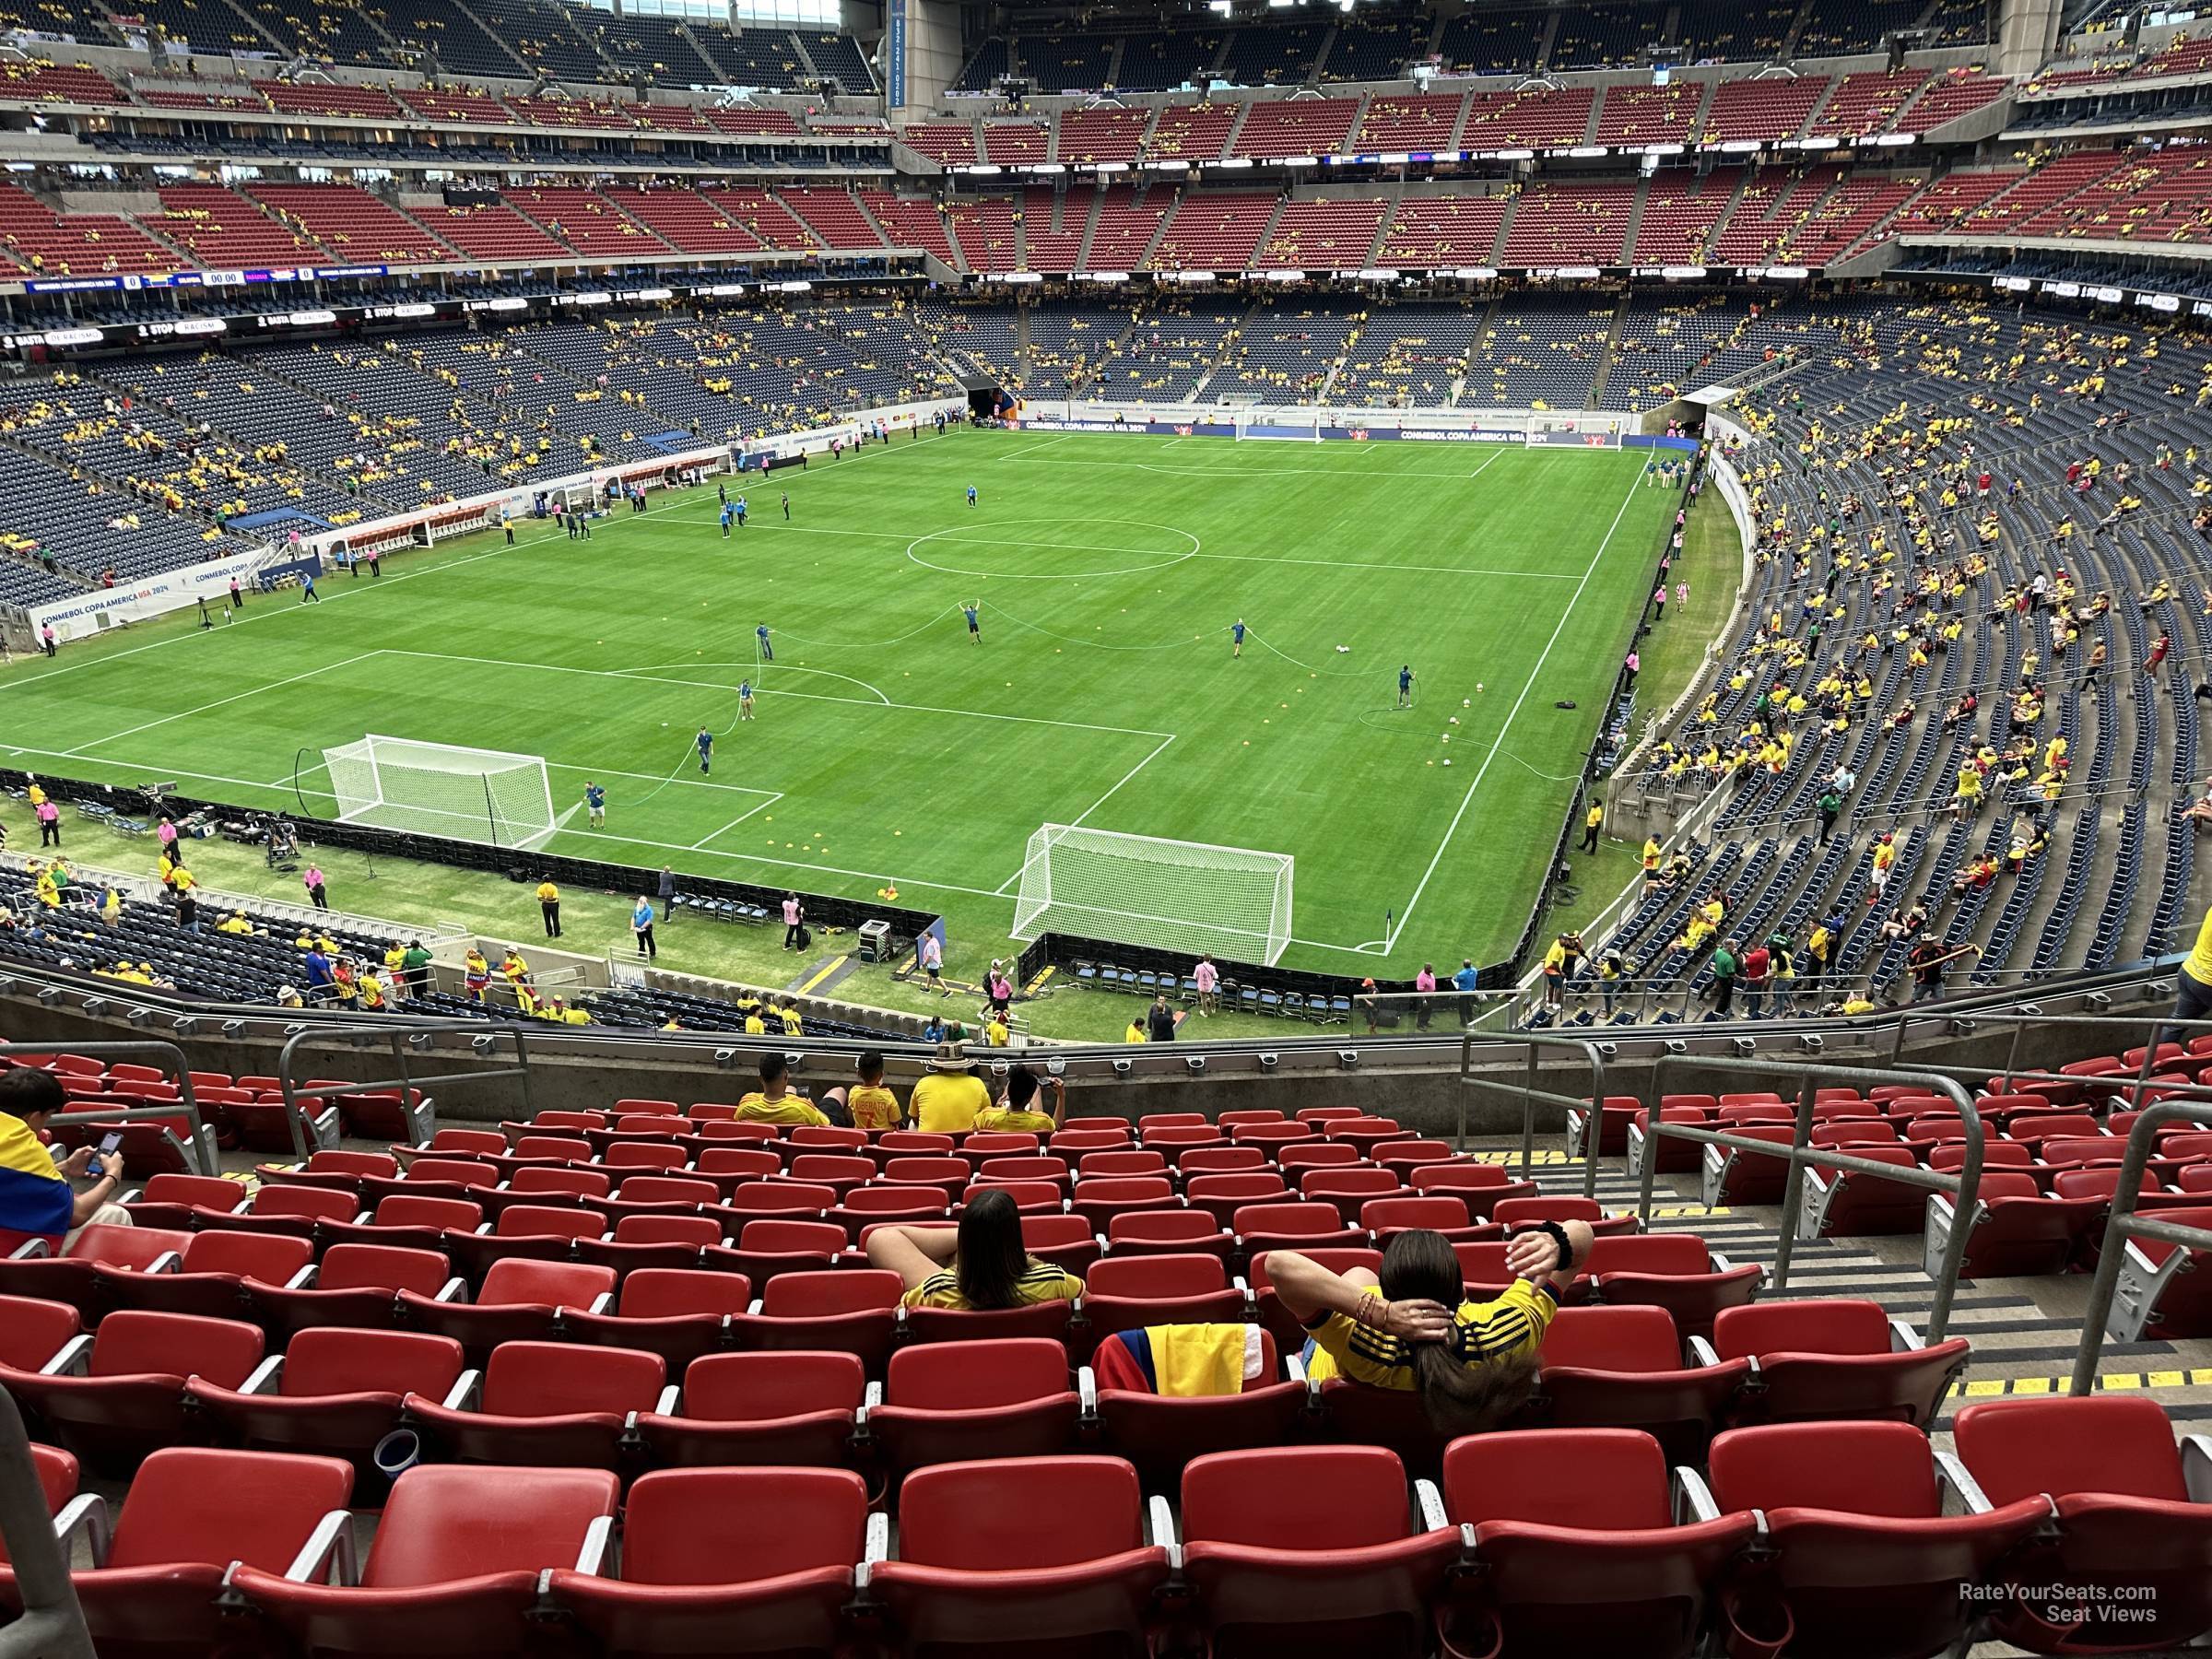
(1152, 890)
(1284, 431)
(497, 797)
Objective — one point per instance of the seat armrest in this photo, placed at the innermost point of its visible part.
(266, 1377)
(1163, 1529)
(462, 1397)
(878, 1548)
(1099, 1239)
(72, 1358)
(602, 1303)
(454, 1289)
(87, 1513)
(1693, 1499)
(2196, 1466)
(1952, 1478)
(31, 1250)
(1294, 1367)
(2140, 1263)
(328, 1548)
(1087, 1390)
(592, 1558)
(302, 1280)
(483, 1228)
(1702, 1352)
(133, 1196)
(168, 1261)
(670, 1396)
(1429, 1507)
(755, 1309)
(1903, 1337)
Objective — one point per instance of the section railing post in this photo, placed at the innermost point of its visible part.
(52, 1625)
(1597, 1121)
(2141, 1138)
(1793, 1185)
(521, 1062)
(1528, 1118)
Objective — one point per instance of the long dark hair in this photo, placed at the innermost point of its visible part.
(989, 1261)
(1460, 1397)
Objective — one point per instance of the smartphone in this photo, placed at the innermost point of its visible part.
(110, 1142)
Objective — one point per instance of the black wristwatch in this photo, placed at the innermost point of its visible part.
(1558, 1236)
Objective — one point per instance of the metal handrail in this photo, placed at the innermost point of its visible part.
(52, 1625)
(2157, 1025)
(1965, 1184)
(2126, 1224)
(1534, 1042)
(397, 1039)
(186, 1105)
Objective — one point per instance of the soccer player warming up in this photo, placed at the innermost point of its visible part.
(975, 626)
(1406, 686)
(970, 495)
(1236, 638)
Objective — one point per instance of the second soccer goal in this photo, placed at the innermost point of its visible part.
(1147, 890)
(446, 789)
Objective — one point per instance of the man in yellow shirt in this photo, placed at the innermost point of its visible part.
(2193, 984)
(1016, 1112)
(869, 1102)
(773, 1102)
(948, 1099)
(548, 904)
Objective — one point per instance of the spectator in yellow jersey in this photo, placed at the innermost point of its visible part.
(1136, 1033)
(1411, 1328)
(869, 1102)
(476, 974)
(773, 1102)
(548, 905)
(946, 1100)
(2192, 984)
(1016, 1110)
(979, 1265)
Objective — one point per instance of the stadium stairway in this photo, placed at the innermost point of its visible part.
(2024, 1331)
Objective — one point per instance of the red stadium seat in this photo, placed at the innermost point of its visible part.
(1099, 1201)
(1160, 1433)
(1622, 1367)
(151, 1591)
(212, 1274)
(1305, 1227)
(1043, 1555)
(851, 1312)
(521, 1302)
(2164, 1291)
(1128, 1293)
(543, 1403)
(1856, 1555)
(735, 1561)
(75, 1277)
(169, 1200)
(1441, 1212)
(943, 1404)
(1310, 1549)
(1818, 1360)
(1479, 1185)
(454, 1568)
(2130, 1552)
(57, 1473)
(1289, 1335)
(1838, 1204)
(1731, 1179)
(1576, 1549)
(1066, 1242)
(794, 1407)
(676, 1313)
(1517, 1214)
(769, 1247)
(122, 1395)
(1673, 1271)
(33, 1334)
(2014, 1230)
(353, 1284)
(1170, 1232)
(335, 1390)
(1223, 1195)
(1347, 1190)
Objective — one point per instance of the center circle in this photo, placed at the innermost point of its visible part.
(1092, 556)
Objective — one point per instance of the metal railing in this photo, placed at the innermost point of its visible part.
(1964, 1184)
(200, 1138)
(397, 1040)
(52, 1625)
(2126, 1224)
(1530, 1095)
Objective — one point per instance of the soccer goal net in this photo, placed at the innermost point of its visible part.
(1281, 428)
(1144, 889)
(442, 789)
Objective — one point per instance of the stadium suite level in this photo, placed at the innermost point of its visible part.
(1110, 625)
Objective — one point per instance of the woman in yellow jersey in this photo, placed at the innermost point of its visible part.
(2193, 982)
(1412, 1328)
(979, 1265)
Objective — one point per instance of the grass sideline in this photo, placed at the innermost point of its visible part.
(890, 750)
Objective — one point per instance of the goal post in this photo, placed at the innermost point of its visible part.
(1148, 889)
(1251, 428)
(488, 795)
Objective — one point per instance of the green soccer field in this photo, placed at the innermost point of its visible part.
(890, 750)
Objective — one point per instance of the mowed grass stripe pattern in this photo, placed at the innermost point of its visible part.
(1108, 569)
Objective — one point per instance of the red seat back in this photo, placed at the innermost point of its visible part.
(1019, 1513)
(810, 1295)
(975, 1376)
(1156, 1275)
(451, 1521)
(381, 1267)
(1841, 1325)
(332, 1360)
(1855, 1468)
(1596, 1480)
(130, 1344)
(724, 1527)
(517, 1281)
(677, 1293)
(756, 1388)
(190, 1505)
(1305, 1498)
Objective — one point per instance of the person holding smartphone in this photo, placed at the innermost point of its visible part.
(36, 1198)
